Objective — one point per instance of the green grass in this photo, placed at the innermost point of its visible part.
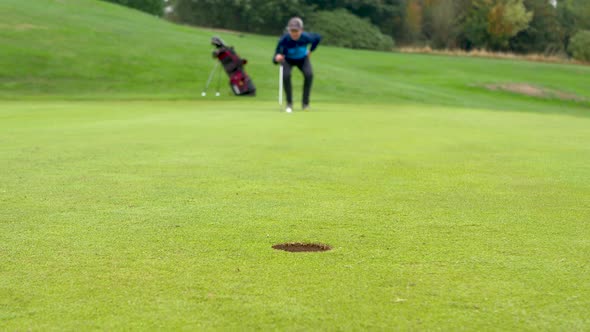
(162, 215)
(127, 202)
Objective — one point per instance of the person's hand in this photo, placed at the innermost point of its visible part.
(279, 58)
(309, 54)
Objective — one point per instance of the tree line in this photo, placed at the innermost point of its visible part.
(520, 26)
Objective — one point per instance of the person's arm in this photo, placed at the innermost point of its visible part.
(279, 50)
(315, 41)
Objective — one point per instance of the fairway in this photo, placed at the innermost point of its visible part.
(134, 215)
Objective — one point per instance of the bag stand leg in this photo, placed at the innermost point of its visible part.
(217, 90)
(204, 93)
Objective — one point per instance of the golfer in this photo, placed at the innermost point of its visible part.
(293, 50)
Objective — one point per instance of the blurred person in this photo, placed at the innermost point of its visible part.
(293, 51)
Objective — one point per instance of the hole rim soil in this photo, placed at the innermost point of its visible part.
(302, 247)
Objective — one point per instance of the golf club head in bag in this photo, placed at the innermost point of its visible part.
(217, 42)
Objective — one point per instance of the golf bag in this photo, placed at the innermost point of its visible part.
(241, 84)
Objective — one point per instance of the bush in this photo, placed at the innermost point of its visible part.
(580, 45)
(154, 7)
(341, 28)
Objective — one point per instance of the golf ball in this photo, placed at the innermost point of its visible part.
(217, 94)
(203, 94)
(289, 110)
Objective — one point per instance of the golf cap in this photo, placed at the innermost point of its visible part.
(295, 24)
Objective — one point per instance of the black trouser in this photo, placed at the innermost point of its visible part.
(305, 66)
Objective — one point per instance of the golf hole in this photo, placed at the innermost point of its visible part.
(302, 247)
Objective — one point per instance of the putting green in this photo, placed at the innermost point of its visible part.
(162, 215)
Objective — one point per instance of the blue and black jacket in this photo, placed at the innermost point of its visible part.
(297, 49)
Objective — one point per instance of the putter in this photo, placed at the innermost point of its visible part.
(281, 69)
(281, 87)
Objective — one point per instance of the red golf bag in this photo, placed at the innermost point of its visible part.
(240, 83)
